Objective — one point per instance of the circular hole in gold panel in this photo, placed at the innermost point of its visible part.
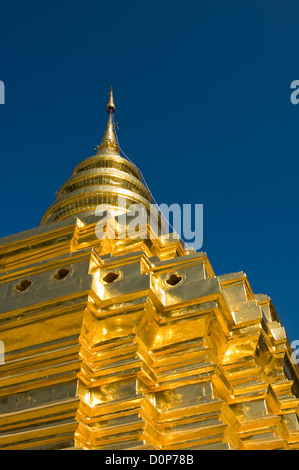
(23, 285)
(110, 277)
(61, 274)
(173, 279)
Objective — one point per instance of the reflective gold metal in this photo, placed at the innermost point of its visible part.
(134, 343)
(109, 140)
(98, 180)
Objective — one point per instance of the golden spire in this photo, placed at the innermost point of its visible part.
(110, 106)
(109, 139)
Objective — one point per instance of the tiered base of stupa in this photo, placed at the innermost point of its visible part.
(136, 344)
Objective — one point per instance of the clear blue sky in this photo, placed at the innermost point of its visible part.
(202, 90)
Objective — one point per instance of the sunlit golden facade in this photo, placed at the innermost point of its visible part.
(134, 343)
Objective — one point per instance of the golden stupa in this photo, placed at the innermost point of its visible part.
(134, 343)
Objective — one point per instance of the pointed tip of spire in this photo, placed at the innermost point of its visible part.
(109, 140)
(110, 108)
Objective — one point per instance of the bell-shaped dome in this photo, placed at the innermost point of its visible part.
(100, 180)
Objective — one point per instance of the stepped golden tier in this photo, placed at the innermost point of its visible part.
(134, 343)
